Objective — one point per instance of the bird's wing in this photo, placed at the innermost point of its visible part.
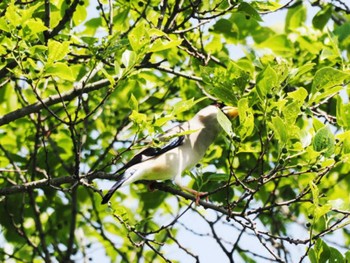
(151, 152)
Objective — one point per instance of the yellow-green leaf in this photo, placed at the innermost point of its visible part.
(57, 50)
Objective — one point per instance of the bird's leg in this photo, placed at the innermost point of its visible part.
(197, 194)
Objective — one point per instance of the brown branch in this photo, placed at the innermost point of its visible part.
(67, 16)
(53, 182)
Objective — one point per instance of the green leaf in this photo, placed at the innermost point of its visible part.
(347, 256)
(152, 200)
(324, 141)
(345, 139)
(225, 123)
(185, 105)
(265, 81)
(159, 44)
(296, 17)
(3, 25)
(215, 87)
(322, 17)
(57, 50)
(133, 103)
(12, 15)
(60, 70)
(327, 78)
(246, 118)
(299, 72)
(299, 95)
(80, 14)
(343, 32)
(280, 44)
(291, 111)
(139, 38)
(108, 76)
(335, 256)
(343, 113)
(34, 26)
(315, 193)
(320, 211)
(280, 128)
(321, 251)
(138, 118)
(223, 26)
(247, 9)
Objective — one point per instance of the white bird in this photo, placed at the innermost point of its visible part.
(181, 153)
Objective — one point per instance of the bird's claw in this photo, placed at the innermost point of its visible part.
(198, 196)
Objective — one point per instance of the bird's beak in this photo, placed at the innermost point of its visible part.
(230, 112)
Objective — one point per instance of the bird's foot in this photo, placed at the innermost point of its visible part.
(198, 196)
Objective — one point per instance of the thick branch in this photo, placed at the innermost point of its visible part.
(53, 182)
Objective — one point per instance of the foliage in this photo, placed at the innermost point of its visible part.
(82, 89)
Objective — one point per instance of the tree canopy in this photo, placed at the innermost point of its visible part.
(85, 84)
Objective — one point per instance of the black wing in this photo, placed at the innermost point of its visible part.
(152, 152)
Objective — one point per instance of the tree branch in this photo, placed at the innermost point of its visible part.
(78, 89)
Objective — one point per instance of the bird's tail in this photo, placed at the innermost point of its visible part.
(122, 178)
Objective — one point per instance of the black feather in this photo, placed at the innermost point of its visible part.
(151, 152)
(114, 188)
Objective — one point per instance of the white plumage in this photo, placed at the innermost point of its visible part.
(180, 154)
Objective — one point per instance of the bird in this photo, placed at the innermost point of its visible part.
(187, 145)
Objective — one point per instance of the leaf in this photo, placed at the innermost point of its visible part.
(223, 26)
(249, 11)
(216, 86)
(322, 17)
(152, 200)
(279, 44)
(328, 77)
(345, 139)
(342, 32)
(12, 15)
(34, 26)
(139, 38)
(343, 113)
(60, 70)
(138, 118)
(298, 72)
(347, 256)
(335, 256)
(291, 111)
(185, 105)
(3, 25)
(315, 193)
(265, 81)
(246, 118)
(57, 50)
(321, 252)
(280, 129)
(108, 76)
(299, 95)
(320, 211)
(133, 103)
(225, 123)
(296, 17)
(80, 14)
(159, 44)
(324, 141)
